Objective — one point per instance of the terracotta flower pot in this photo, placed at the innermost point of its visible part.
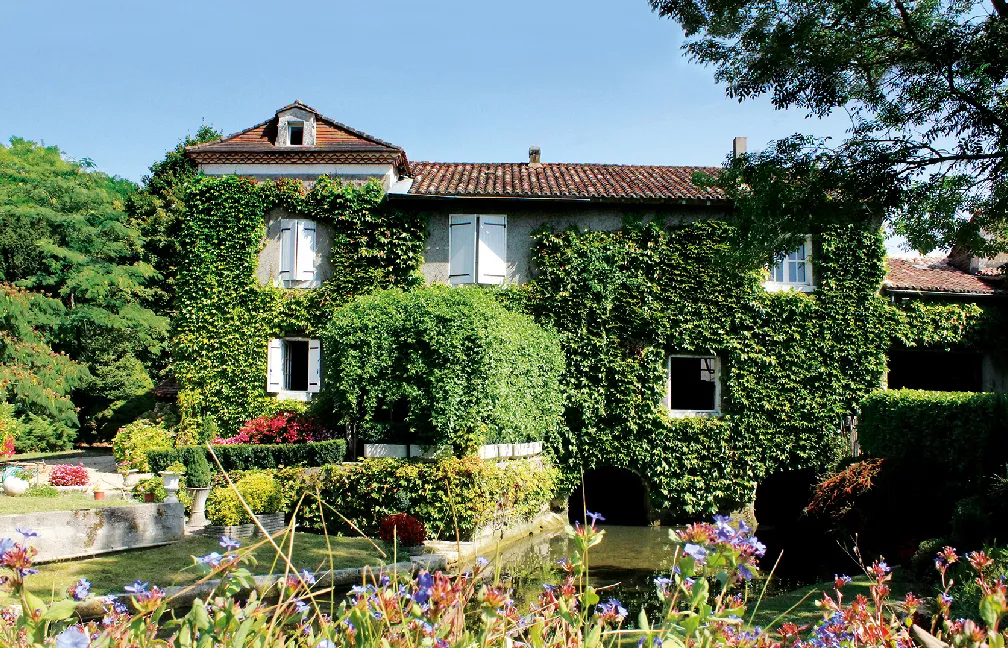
(149, 497)
(99, 495)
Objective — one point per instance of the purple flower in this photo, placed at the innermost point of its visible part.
(384, 580)
(138, 587)
(72, 637)
(662, 583)
(228, 543)
(425, 580)
(612, 609)
(81, 589)
(595, 517)
(696, 552)
(300, 606)
(27, 571)
(482, 562)
(6, 544)
(307, 577)
(325, 643)
(746, 572)
(945, 598)
(117, 606)
(212, 559)
(27, 533)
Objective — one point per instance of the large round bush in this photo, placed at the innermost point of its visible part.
(441, 365)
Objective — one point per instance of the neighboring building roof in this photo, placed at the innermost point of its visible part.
(167, 389)
(607, 182)
(936, 275)
(335, 143)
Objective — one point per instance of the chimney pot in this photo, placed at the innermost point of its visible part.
(534, 156)
(738, 146)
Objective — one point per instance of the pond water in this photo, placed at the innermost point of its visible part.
(623, 566)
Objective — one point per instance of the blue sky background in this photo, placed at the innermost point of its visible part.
(122, 82)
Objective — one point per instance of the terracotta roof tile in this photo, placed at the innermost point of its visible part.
(560, 180)
(934, 275)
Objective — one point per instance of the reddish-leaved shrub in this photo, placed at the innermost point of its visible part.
(406, 529)
(283, 427)
(68, 475)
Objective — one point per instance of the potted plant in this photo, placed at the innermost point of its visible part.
(198, 482)
(150, 490)
(99, 492)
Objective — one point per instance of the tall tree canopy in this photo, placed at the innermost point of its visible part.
(925, 83)
(73, 267)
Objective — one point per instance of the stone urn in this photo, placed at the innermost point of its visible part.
(171, 485)
(131, 478)
(197, 517)
(15, 486)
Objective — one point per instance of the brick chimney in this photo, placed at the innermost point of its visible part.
(534, 157)
(738, 146)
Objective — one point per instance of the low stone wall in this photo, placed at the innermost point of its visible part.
(73, 534)
(273, 523)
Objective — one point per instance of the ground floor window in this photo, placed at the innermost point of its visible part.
(692, 384)
(294, 365)
(935, 370)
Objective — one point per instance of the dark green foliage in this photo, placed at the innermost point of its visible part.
(249, 457)
(66, 236)
(470, 492)
(925, 86)
(441, 365)
(960, 438)
(198, 471)
(224, 318)
(793, 365)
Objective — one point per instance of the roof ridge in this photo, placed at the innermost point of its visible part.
(629, 165)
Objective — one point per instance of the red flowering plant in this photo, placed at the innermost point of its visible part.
(68, 475)
(282, 427)
(403, 529)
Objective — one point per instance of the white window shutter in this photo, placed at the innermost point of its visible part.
(288, 247)
(462, 252)
(274, 366)
(314, 365)
(305, 250)
(492, 261)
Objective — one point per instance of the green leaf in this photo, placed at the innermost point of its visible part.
(60, 610)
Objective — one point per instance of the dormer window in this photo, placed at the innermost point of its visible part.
(295, 133)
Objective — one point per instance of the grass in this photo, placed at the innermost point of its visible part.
(173, 565)
(65, 502)
(803, 600)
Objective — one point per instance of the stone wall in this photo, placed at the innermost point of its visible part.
(72, 534)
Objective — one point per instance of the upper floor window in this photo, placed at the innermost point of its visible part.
(477, 248)
(794, 270)
(295, 133)
(294, 365)
(297, 251)
(692, 384)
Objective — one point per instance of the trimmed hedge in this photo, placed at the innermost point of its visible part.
(959, 436)
(470, 492)
(250, 457)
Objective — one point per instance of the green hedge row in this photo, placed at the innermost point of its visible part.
(249, 457)
(959, 436)
(468, 494)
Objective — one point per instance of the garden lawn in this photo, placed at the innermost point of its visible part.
(806, 612)
(173, 564)
(66, 502)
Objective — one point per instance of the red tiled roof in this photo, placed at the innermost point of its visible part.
(934, 275)
(334, 143)
(560, 180)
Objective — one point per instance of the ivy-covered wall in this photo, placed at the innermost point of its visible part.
(226, 317)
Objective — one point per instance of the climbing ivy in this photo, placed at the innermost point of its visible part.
(226, 317)
(792, 364)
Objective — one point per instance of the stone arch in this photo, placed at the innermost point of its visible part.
(617, 493)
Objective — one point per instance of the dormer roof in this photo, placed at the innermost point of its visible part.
(334, 143)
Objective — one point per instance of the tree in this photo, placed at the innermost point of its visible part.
(66, 239)
(157, 211)
(924, 82)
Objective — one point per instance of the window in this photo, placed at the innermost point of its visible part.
(294, 365)
(295, 133)
(794, 270)
(477, 248)
(297, 252)
(935, 370)
(692, 384)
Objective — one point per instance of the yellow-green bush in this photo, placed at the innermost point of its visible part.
(259, 490)
(133, 441)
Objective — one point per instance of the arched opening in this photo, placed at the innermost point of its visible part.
(616, 493)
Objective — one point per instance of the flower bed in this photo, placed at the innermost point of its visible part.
(68, 475)
(282, 427)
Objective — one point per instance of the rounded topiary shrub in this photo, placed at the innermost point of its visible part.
(259, 490)
(441, 365)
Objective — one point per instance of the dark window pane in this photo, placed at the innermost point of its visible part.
(936, 370)
(692, 383)
(296, 134)
(296, 364)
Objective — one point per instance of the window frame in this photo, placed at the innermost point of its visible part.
(285, 393)
(667, 397)
(291, 125)
(771, 284)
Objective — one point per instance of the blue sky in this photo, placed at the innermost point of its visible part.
(122, 82)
